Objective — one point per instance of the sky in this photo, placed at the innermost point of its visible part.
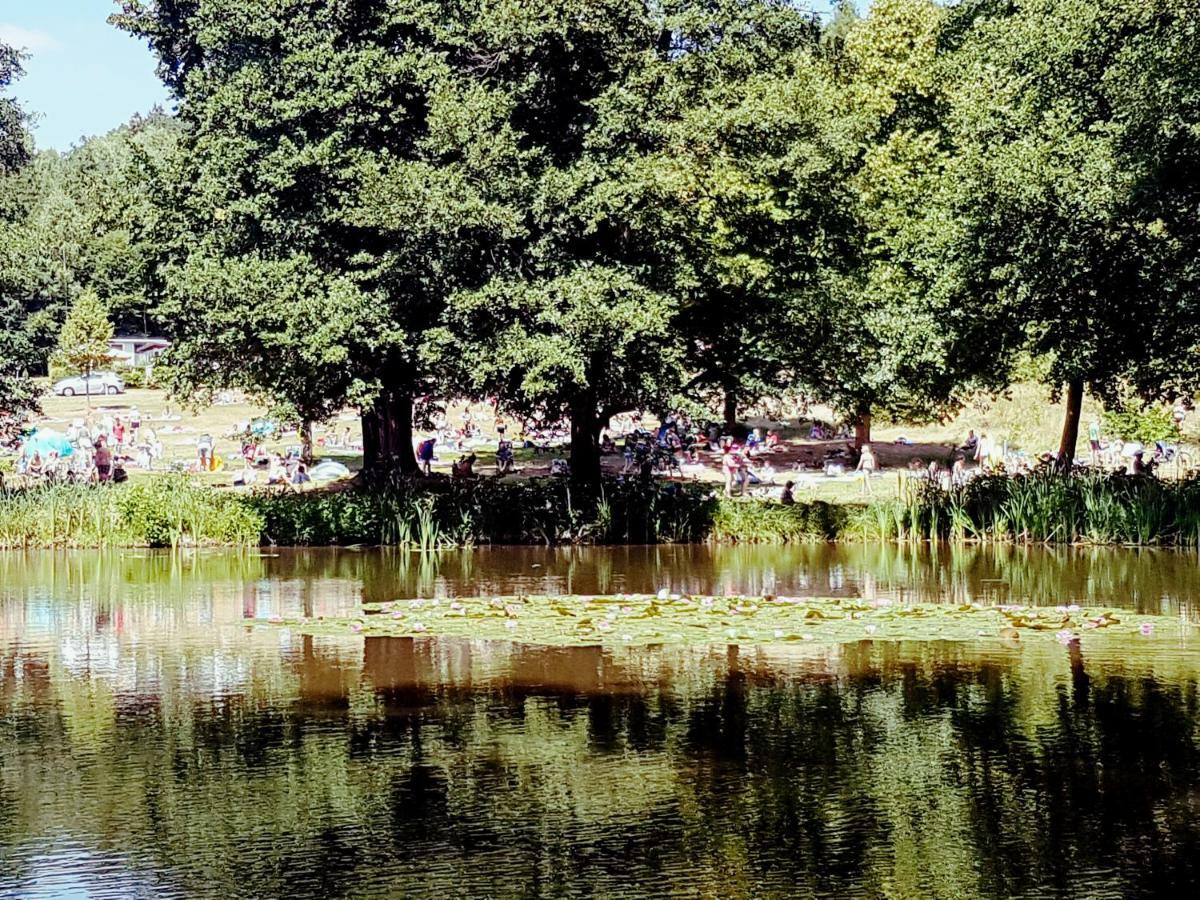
(83, 77)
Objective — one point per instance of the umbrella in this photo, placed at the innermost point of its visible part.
(44, 442)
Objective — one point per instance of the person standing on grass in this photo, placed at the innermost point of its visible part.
(729, 465)
(103, 459)
(204, 452)
(1094, 441)
(425, 454)
(867, 465)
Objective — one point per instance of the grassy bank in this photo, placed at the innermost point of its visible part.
(176, 511)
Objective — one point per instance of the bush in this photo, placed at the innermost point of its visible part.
(1132, 420)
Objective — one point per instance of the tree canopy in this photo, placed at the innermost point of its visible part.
(577, 208)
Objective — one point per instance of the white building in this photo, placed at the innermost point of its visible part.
(136, 351)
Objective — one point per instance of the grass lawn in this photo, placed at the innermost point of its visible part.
(1023, 416)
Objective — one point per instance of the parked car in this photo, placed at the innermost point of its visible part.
(96, 383)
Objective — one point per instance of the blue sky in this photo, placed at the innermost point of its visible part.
(83, 76)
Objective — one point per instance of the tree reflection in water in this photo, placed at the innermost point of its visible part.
(423, 767)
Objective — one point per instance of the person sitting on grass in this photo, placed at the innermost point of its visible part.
(300, 476)
(772, 442)
(504, 457)
(465, 467)
(247, 477)
(277, 472)
(788, 498)
(867, 465)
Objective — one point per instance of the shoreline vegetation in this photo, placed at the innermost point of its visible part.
(675, 619)
(1041, 508)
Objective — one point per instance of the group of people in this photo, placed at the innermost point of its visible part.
(91, 450)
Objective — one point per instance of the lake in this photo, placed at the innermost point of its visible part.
(158, 739)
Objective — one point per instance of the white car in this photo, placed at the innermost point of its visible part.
(96, 383)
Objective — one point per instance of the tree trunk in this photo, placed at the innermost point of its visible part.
(1070, 432)
(585, 441)
(306, 443)
(388, 436)
(862, 430)
(730, 408)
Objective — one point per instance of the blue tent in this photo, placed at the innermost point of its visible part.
(44, 442)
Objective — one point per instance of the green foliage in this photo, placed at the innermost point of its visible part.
(166, 512)
(85, 336)
(755, 522)
(15, 142)
(1132, 419)
(1040, 508)
(75, 221)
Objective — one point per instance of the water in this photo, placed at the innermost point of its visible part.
(155, 742)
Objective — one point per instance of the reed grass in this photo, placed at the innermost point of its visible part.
(426, 517)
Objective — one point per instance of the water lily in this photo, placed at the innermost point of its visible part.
(627, 637)
(418, 627)
(626, 610)
(356, 627)
(397, 615)
(706, 602)
(510, 624)
(603, 625)
(1065, 636)
(871, 629)
(1147, 629)
(415, 604)
(664, 594)
(512, 610)
(806, 637)
(778, 633)
(730, 633)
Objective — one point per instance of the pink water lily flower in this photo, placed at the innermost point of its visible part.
(418, 627)
(871, 629)
(356, 627)
(1147, 629)
(1065, 636)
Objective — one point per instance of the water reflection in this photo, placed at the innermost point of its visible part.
(289, 582)
(392, 766)
(156, 739)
